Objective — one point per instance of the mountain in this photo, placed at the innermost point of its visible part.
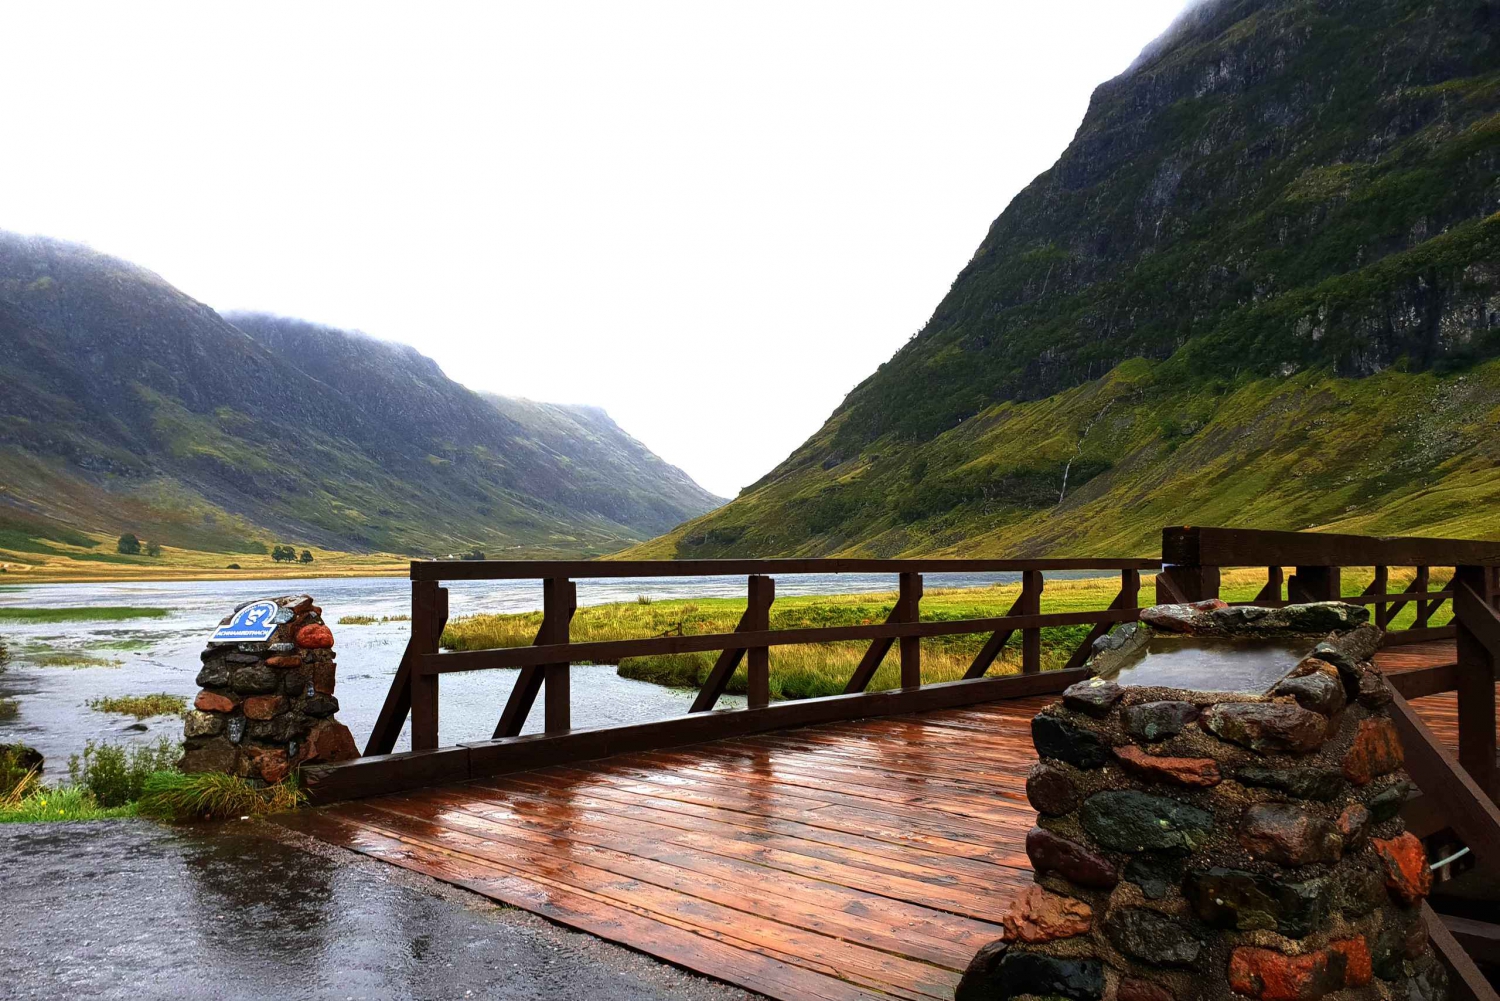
(125, 405)
(1261, 286)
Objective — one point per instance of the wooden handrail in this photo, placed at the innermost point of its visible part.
(582, 570)
(1248, 547)
(608, 651)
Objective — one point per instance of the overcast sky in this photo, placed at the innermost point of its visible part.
(712, 219)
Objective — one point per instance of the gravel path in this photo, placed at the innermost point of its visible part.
(130, 909)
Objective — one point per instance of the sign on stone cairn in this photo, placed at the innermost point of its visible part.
(267, 702)
(1196, 845)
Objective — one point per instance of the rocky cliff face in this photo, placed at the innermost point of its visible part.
(125, 403)
(1280, 201)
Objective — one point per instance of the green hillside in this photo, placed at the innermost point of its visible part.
(127, 406)
(1260, 287)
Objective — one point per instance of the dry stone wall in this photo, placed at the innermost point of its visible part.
(268, 707)
(1197, 845)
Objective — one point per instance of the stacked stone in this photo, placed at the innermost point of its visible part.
(1195, 845)
(268, 707)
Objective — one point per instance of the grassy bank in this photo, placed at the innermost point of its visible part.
(805, 671)
(99, 613)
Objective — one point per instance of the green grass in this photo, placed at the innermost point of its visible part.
(102, 613)
(140, 706)
(214, 796)
(53, 805)
(371, 620)
(806, 670)
(9, 708)
(73, 659)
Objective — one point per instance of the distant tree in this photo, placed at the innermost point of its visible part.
(153, 549)
(128, 544)
(232, 566)
(306, 556)
(473, 554)
(284, 554)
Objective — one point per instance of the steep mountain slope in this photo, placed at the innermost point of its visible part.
(1258, 288)
(126, 405)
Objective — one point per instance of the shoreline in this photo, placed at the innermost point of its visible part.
(189, 574)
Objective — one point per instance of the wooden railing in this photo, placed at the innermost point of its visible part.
(544, 666)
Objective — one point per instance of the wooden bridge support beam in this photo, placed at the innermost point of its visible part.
(1314, 584)
(559, 603)
(1181, 583)
(758, 658)
(910, 602)
(429, 609)
(1478, 629)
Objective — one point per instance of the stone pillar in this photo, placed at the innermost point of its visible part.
(1213, 845)
(267, 705)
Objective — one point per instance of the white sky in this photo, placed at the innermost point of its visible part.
(710, 218)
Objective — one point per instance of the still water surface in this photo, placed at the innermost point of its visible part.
(161, 655)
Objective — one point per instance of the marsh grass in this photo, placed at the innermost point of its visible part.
(9, 708)
(140, 706)
(70, 658)
(214, 796)
(103, 613)
(116, 775)
(371, 620)
(805, 671)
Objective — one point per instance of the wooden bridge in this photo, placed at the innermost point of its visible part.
(861, 845)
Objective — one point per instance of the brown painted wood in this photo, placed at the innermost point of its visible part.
(1032, 583)
(1243, 547)
(1467, 805)
(558, 601)
(1272, 590)
(584, 569)
(874, 655)
(397, 705)
(724, 667)
(910, 600)
(758, 666)
(611, 651)
(429, 604)
(861, 857)
(558, 705)
(1477, 642)
(1480, 939)
(1379, 587)
(992, 647)
(1425, 681)
(1314, 583)
(1179, 584)
(1129, 597)
(355, 778)
(1465, 982)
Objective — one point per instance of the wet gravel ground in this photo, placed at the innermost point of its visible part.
(130, 909)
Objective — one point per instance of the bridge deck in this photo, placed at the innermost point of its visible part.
(852, 860)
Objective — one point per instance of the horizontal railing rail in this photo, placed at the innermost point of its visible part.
(441, 570)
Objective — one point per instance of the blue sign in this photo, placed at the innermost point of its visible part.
(252, 624)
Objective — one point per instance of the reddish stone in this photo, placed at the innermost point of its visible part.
(1357, 966)
(1049, 851)
(1039, 916)
(314, 637)
(264, 706)
(1183, 771)
(1132, 989)
(286, 661)
(1406, 872)
(1273, 976)
(1376, 750)
(1353, 824)
(269, 762)
(1288, 835)
(213, 702)
(329, 740)
(323, 677)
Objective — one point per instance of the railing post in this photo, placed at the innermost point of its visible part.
(1381, 586)
(429, 608)
(911, 646)
(1186, 583)
(1314, 584)
(559, 600)
(1476, 681)
(1031, 604)
(758, 658)
(1272, 590)
(1422, 582)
